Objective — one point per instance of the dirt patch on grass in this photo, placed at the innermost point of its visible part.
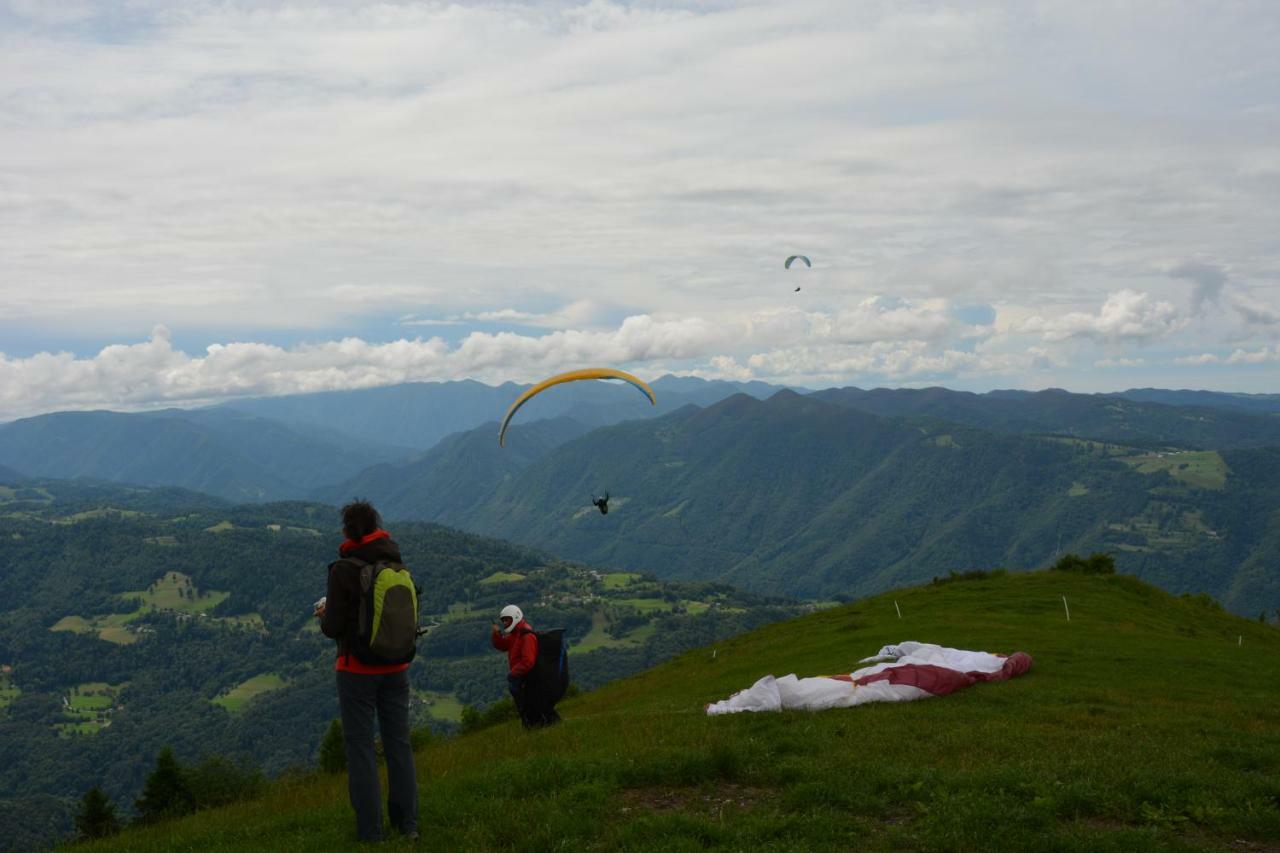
(712, 802)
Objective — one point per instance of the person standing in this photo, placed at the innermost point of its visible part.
(369, 689)
(515, 636)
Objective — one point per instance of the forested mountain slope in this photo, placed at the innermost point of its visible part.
(453, 479)
(796, 496)
(1104, 417)
(223, 453)
(1259, 403)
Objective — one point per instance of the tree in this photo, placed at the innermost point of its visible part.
(167, 793)
(97, 816)
(333, 752)
(1095, 564)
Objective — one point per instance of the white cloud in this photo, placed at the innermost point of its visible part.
(156, 373)
(1125, 315)
(1119, 362)
(245, 168)
(1259, 356)
(1201, 358)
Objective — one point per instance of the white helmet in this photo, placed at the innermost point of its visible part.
(516, 615)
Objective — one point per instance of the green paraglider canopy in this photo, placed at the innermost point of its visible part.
(787, 265)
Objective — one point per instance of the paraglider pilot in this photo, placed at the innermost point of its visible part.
(601, 503)
(515, 636)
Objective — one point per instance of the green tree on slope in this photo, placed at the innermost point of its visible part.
(97, 816)
(167, 792)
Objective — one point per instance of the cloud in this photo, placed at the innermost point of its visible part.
(1254, 311)
(1125, 315)
(1119, 362)
(156, 373)
(578, 313)
(238, 170)
(1209, 281)
(1202, 358)
(1259, 356)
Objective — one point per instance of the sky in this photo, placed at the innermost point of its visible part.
(201, 201)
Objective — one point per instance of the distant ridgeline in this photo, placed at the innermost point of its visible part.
(140, 618)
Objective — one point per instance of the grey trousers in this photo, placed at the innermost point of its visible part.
(361, 697)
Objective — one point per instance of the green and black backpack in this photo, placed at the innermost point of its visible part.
(388, 625)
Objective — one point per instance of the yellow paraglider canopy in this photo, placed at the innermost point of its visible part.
(572, 376)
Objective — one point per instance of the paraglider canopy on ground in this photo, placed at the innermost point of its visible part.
(899, 673)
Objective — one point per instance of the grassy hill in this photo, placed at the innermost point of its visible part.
(1148, 722)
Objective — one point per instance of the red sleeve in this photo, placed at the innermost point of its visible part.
(526, 653)
(500, 642)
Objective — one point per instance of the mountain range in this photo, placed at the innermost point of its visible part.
(842, 491)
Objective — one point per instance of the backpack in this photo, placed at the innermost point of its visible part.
(550, 673)
(387, 631)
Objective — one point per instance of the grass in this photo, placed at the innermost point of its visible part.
(8, 692)
(242, 693)
(93, 696)
(113, 627)
(170, 593)
(89, 707)
(644, 605)
(220, 527)
(620, 580)
(1142, 726)
(441, 706)
(101, 512)
(503, 577)
(1201, 469)
(596, 638)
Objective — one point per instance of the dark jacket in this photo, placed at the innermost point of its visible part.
(341, 619)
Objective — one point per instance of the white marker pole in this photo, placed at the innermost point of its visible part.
(1240, 639)
(1066, 608)
(897, 608)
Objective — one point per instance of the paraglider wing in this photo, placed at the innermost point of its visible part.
(787, 265)
(571, 376)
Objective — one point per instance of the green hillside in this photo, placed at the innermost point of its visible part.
(798, 497)
(1148, 722)
(1194, 422)
(224, 453)
(200, 616)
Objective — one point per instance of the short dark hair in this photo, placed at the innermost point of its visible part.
(359, 519)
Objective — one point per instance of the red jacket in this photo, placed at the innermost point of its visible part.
(521, 646)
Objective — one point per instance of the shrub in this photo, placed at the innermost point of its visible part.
(974, 575)
(217, 781)
(333, 753)
(1097, 563)
(473, 719)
